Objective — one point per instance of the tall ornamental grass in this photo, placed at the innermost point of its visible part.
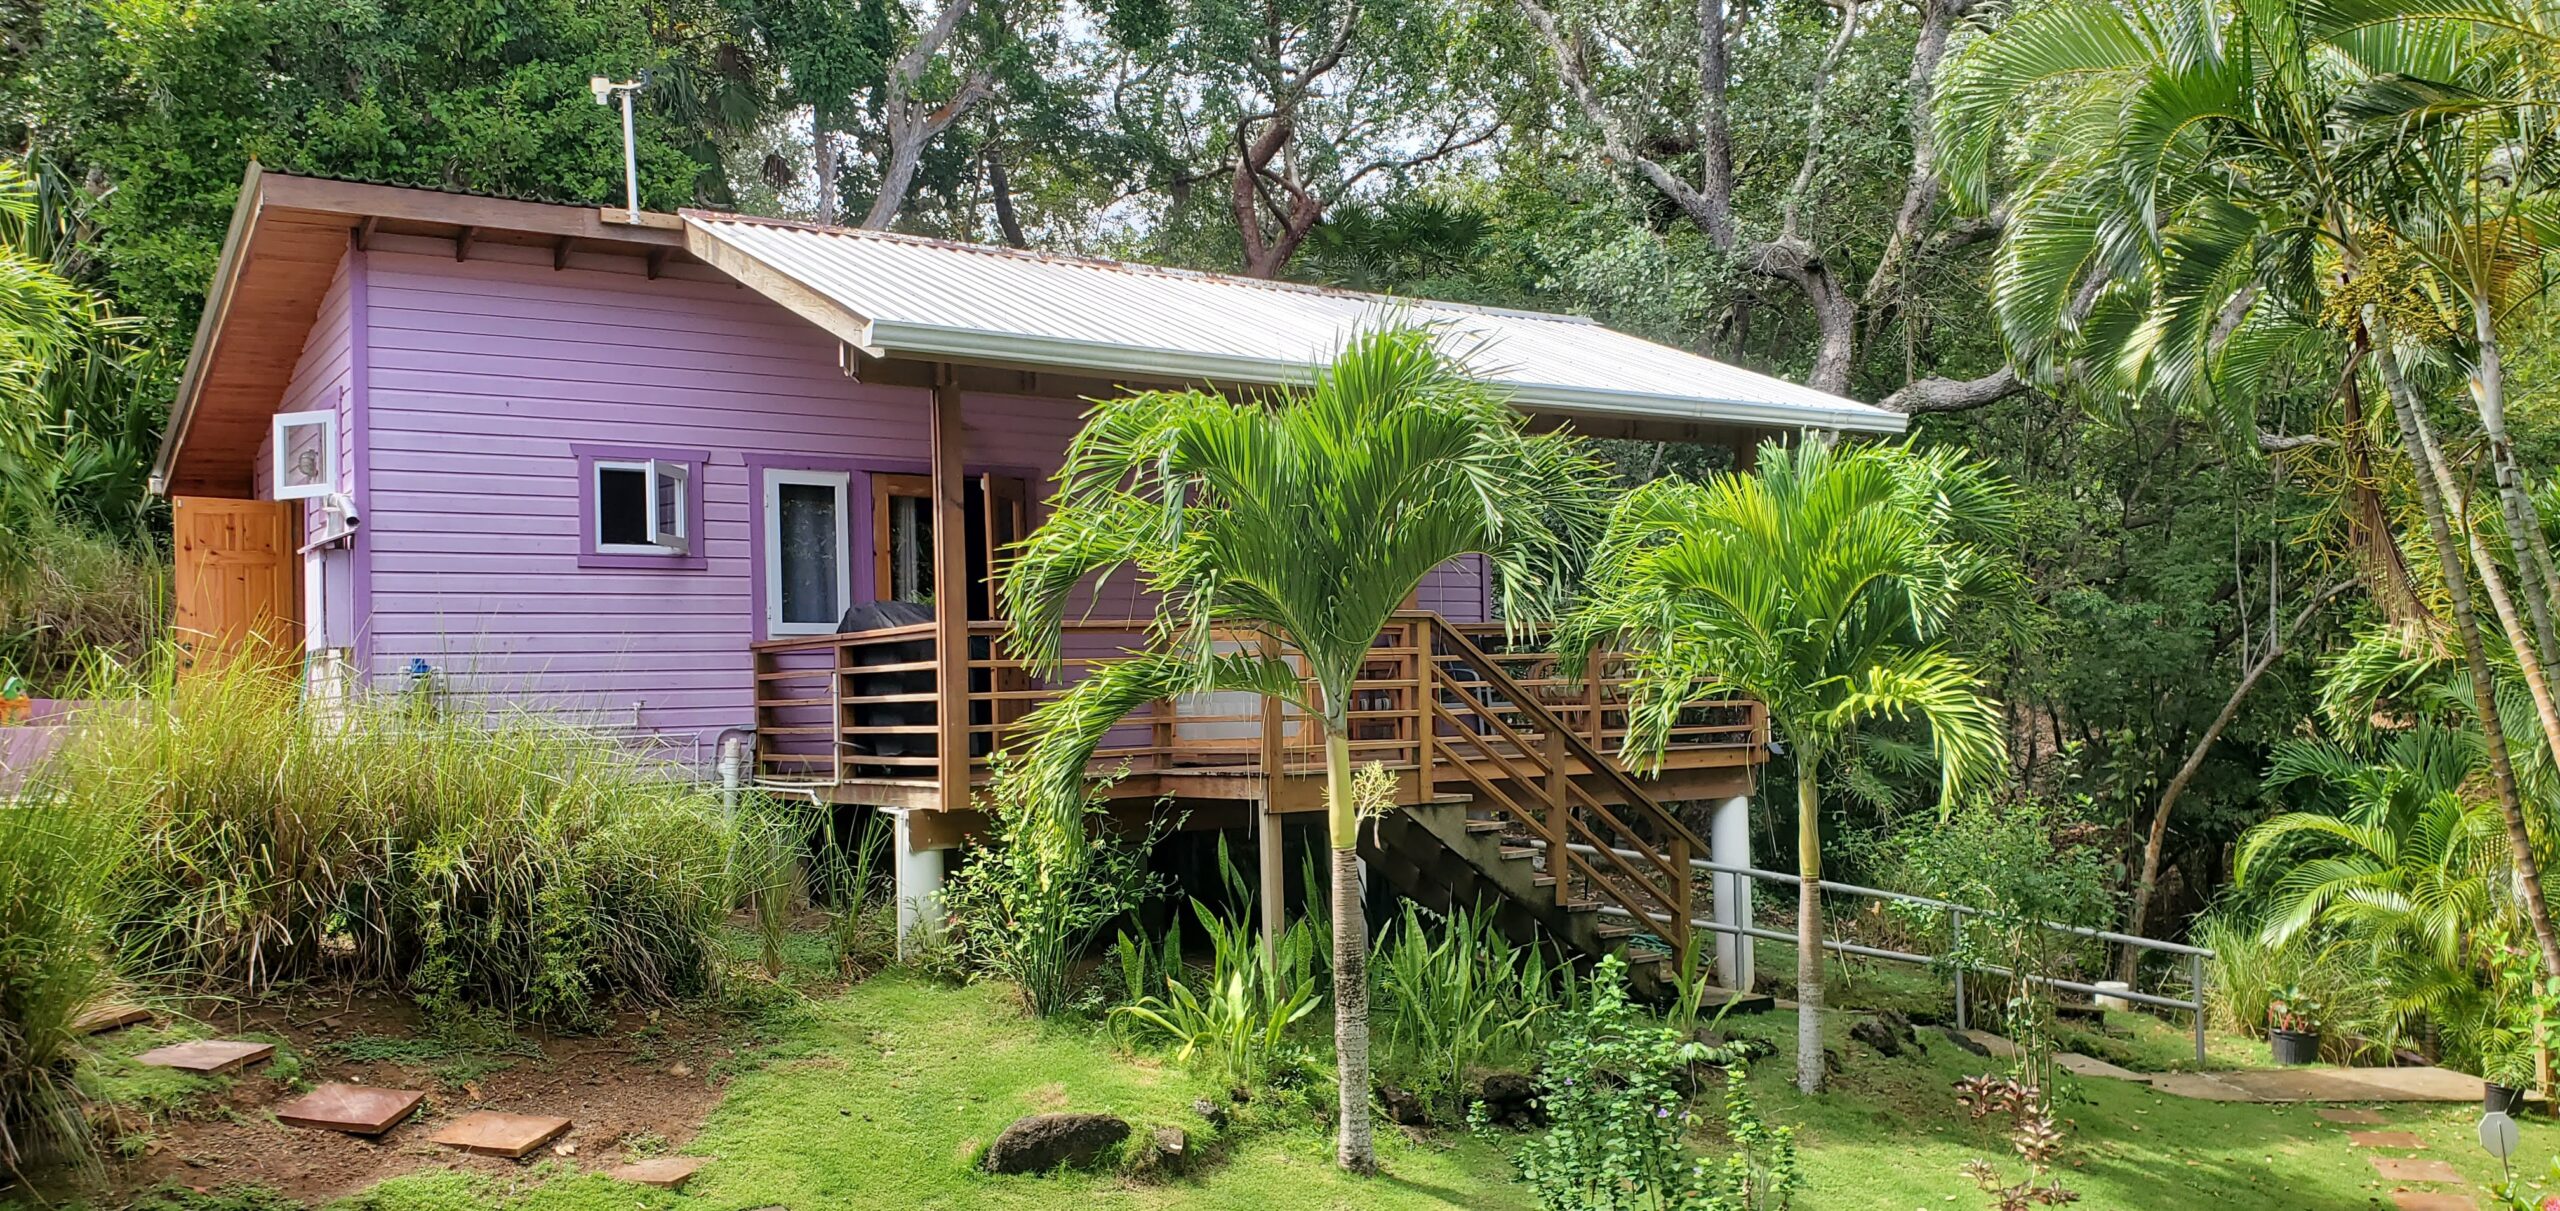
(516, 866)
(57, 862)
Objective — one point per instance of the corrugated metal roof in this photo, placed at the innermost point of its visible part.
(905, 296)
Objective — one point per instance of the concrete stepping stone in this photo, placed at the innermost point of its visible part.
(2419, 1200)
(207, 1057)
(2394, 1169)
(353, 1109)
(104, 1018)
(491, 1133)
(664, 1172)
(2384, 1139)
(2092, 1066)
(2352, 1116)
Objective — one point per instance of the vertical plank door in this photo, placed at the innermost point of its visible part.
(237, 580)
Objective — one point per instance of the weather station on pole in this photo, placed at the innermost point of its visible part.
(605, 89)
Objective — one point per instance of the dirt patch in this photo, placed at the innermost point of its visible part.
(641, 1087)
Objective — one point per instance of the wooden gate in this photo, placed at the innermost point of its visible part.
(238, 579)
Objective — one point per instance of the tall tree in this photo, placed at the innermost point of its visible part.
(1307, 518)
(1628, 73)
(1821, 586)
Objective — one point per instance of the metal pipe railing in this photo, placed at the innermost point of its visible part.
(2195, 955)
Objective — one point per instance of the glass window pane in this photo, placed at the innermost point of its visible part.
(811, 537)
(911, 549)
(622, 506)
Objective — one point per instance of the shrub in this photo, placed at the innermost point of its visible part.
(57, 861)
(1451, 1000)
(1237, 1022)
(69, 597)
(520, 868)
(1051, 877)
(1610, 1082)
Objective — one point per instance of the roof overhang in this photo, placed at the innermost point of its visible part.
(821, 294)
(287, 237)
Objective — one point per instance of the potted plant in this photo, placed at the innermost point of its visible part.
(2293, 1026)
(2506, 1070)
(16, 701)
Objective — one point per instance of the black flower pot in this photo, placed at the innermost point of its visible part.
(2295, 1046)
(2498, 1099)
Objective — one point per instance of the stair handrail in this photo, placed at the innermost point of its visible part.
(1684, 841)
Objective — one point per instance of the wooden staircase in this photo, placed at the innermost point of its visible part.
(1533, 821)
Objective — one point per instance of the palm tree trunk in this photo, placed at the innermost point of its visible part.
(1356, 1148)
(1809, 1067)
(2524, 522)
(2475, 656)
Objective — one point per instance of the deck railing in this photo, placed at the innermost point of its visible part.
(863, 706)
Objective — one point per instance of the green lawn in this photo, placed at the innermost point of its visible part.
(881, 1096)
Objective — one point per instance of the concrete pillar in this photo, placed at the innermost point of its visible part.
(919, 886)
(1729, 844)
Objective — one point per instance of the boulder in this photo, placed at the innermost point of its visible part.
(1210, 1112)
(1403, 1107)
(1888, 1033)
(1163, 1153)
(1511, 1100)
(1041, 1142)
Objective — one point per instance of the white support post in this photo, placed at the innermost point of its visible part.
(1729, 844)
(919, 887)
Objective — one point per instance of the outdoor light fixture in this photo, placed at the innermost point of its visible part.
(605, 88)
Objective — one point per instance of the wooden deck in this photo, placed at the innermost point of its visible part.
(855, 718)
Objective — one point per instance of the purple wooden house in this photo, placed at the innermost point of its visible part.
(718, 483)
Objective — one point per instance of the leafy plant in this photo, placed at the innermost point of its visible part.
(1611, 1085)
(2294, 1009)
(1237, 1020)
(2032, 1134)
(847, 872)
(1453, 995)
(1051, 877)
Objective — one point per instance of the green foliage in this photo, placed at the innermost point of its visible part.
(1052, 876)
(1610, 1083)
(1237, 1024)
(1454, 996)
(522, 868)
(60, 861)
(848, 873)
(72, 599)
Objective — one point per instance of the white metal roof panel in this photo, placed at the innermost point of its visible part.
(905, 296)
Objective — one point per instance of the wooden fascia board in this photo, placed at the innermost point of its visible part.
(838, 320)
(217, 308)
(358, 200)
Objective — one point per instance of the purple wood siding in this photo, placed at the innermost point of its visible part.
(481, 375)
(324, 381)
(1459, 589)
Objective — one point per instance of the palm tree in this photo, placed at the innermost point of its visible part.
(1307, 518)
(2201, 205)
(1820, 585)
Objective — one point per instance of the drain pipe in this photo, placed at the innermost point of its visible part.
(733, 743)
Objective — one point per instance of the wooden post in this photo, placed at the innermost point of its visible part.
(950, 595)
(1273, 890)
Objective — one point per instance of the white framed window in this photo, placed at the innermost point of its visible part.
(305, 446)
(642, 507)
(808, 551)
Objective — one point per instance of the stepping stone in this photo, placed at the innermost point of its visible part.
(109, 1017)
(2089, 1065)
(2394, 1169)
(354, 1109)
(2413, 1200)
(490, 1133)
(207, 1057)
(664, 1172)
(2359, 1118)
(2385, 1139)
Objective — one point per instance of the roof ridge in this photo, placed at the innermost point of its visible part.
(1085, 261)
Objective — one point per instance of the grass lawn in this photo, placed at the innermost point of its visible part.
(882, 1095)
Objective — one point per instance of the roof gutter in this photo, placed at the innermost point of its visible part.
(217, 305)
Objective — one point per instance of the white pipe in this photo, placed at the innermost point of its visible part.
(630, 160)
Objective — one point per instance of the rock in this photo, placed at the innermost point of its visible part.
(1888, 1033)
(1163, 1153)
(1511, 1100)
(1966, 1041)
(1210, 1112)
(1402, 1107)
(1748, 1048)
(1041, 1142)
(1830, 1063)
